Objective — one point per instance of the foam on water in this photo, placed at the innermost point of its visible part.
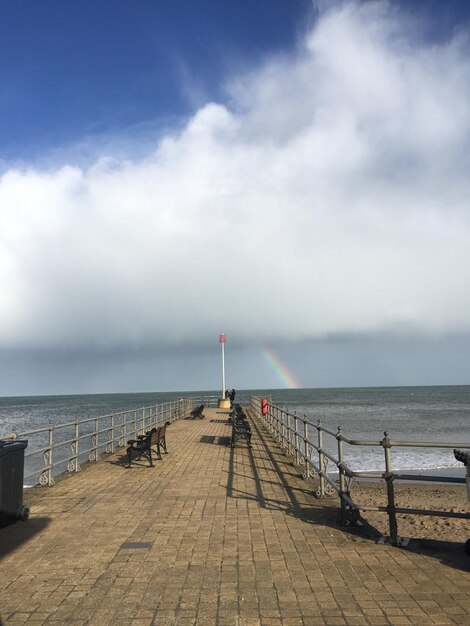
(431, 414)
(421, 414)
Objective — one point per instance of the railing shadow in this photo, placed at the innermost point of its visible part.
(291, 504)
(325, 513)
(215, 440)
(449, 553)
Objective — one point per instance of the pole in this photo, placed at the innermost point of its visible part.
(223, 339)
(223, 371)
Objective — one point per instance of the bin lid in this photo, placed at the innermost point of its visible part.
(12, 445)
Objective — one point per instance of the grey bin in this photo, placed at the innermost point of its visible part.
(11, 481)
(464, 457)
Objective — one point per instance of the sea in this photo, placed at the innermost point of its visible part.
(438, 414)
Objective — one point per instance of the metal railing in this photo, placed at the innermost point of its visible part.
(62, 447)
(207, 400)
(293, 434)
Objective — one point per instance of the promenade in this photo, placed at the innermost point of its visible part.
(213, 535)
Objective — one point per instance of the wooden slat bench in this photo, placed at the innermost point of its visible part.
(142, 446)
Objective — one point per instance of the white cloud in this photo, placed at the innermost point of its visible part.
(331, 197)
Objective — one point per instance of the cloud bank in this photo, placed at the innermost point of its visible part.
(329, 195)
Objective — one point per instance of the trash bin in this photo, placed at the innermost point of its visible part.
(11, 481)
(464, 457)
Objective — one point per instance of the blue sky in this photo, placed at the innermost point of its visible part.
(73, 70)
(293, 173)
(77, 69)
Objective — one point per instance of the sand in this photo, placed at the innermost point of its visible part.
(434, 496)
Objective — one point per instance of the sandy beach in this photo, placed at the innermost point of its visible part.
(431, 496)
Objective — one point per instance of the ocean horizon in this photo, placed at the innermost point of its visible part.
(408, 413)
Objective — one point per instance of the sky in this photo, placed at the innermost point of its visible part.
(295, 174)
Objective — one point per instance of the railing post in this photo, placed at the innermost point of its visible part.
(110, 444)
(123, 429)
(46, 475)
(135, 433)
(285, 430)
(342, 481)
(321, 460)
(306, 450)
(391, 509)
(142, 422)
(292, 425)
(296, 440)
(94, 456)
(292, 421)
(73, 465)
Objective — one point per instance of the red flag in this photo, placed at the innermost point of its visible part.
(222, 338)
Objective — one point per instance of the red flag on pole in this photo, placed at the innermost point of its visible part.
(222, 338)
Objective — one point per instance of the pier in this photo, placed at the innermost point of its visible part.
(212, 535)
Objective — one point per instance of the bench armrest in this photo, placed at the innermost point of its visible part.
(134, 442)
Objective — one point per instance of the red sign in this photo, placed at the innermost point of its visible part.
(222, 338)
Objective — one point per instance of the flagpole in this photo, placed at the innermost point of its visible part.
(223, 370)
(223, 339)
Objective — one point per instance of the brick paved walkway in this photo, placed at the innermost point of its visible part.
(218, 536)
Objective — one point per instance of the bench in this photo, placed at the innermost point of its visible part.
(198, 413)
(142, 446)
(240, 426)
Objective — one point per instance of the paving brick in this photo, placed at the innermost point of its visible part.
(235, 537)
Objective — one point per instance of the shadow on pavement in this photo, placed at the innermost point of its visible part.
(217, 440)
(11, 537)
(451, 553)
(295, 499)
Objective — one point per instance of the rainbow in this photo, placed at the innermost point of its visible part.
(285, 376)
